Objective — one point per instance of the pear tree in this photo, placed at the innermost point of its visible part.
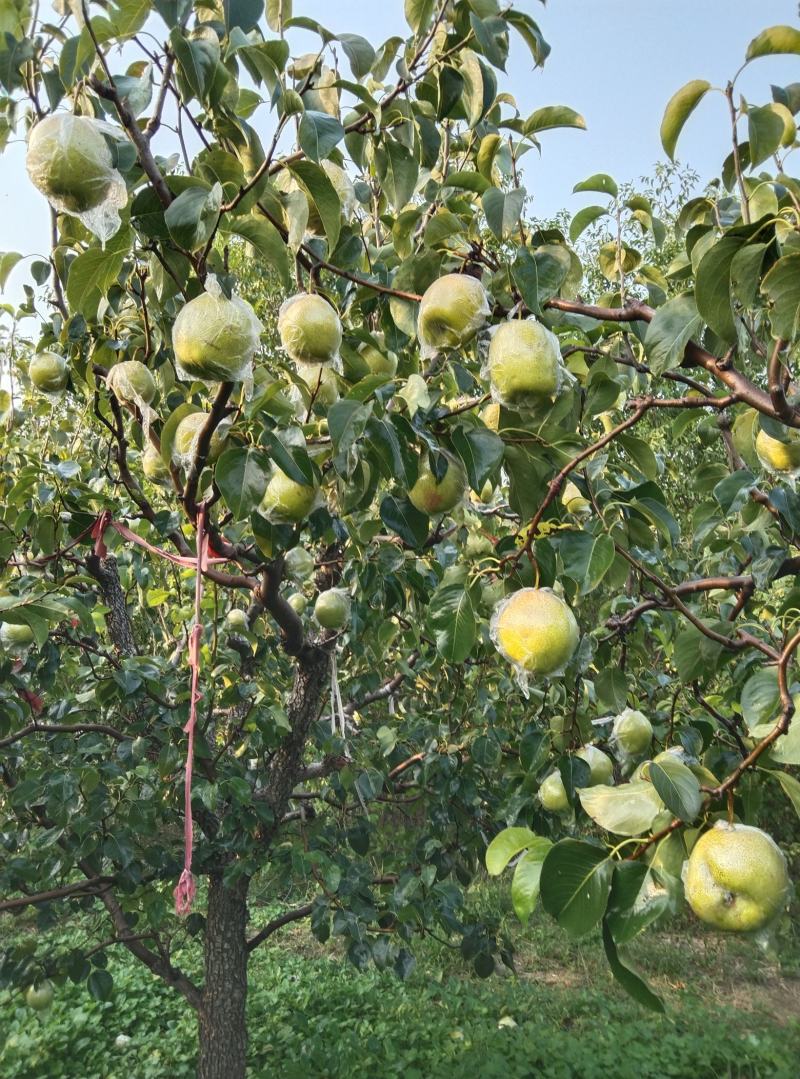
(336, 486)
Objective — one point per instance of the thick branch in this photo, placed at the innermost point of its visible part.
(159, 966)
(66, 728)
(268, 594)
(721, 369)
(278, 923)
(81, 888)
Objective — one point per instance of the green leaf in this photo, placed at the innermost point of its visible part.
(192, 217)
(398, 171)
(635, 901)
(746, 272)
(760, 698)
(401, 517)
(781, 286)
(474, 98)
(525, 882)
(318, 134)
(764, 133)
(100, 984)
(631, 982)
(551, 116)
(583, 219)
(278, 14)
(198, 59)
(347, 419)
(774, 41)
(679, 108)
(93, 273)
(791, 788)
(359, 52)
(679, 788)
(467, 180)
(530, 33)
(540, 275)
(481, 451)
(294, 461)
(503, 209)
(242, 475)
(418, 13)
(507, 845)
(629, 809)
(575, 882)
(587, 558)
(786, 749)
(13, 55)
(611, 686)
(713, 287)
(671, 328)
(455, 622)
(600, 181)
(315, 182)
(8, 260)
(265, 240)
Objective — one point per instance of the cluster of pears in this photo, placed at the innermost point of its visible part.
(331, 607)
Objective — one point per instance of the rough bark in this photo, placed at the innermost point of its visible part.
(222, 1025)
(104, 571)
(310, 685)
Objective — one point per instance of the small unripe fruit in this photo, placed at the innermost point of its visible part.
(451, 312)
(535, 630)
(432, 496)
(332, 608)
(299, 563)
(215, 338)
(553, 795)
(736, 878)
(491, 416)
(48, 372)
(14, 637)
(601, 767)
(236, 621)
(69, 161)
(632, 732)
(298, 602)
(287, 501)
(320, 380)
(186, 434)
(39, 997)
(153, 466)
(131, 383)
(524, 364)
(380, 361)
(309, 329)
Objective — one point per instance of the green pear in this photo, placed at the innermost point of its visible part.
(432, 496)
(736, 878)
(69, 161)
(451, 312)
(48, 372)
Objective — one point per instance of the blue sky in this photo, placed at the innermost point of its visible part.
(616, 62)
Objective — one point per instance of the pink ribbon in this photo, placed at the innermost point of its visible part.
(186, 889)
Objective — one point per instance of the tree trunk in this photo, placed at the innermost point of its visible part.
(222, 1025)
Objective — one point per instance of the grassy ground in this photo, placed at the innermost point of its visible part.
(733, 1011)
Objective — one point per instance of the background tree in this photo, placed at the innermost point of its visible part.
(371, 749)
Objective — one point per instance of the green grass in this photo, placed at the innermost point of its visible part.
(732, 1011)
